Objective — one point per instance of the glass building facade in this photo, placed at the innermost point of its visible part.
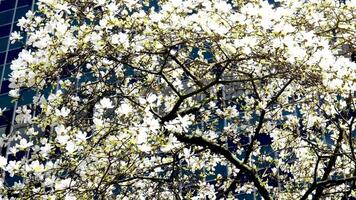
(10, 12)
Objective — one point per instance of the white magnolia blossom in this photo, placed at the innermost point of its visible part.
(106, 103)
(193, 99)
(3, 162)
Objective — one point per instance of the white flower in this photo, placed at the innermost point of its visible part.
(185, 122)
(60, 129)
(49, 181)
(80, 136)
(186, 152)
(144, 147)
(120, 38)
(61, 28)
(13, 150)
(152, 123)
(45, 149)
(100, 2)
(106, 103)
(71, 147)
(62, 139)
(12, 167)
(151, 98)
(3, 162)
(23, 22)
(177, 3)
(15, 36)
(115, 39)
(23, 115)
(335, 83)
(24, 144)
(124, 109)
(64, 112)
(2, 111)
(15, 93)
(70, 197)
(63, 184)
(217, 28)
(48, 2)
(36, 166)
(31, 131)
(98, 122)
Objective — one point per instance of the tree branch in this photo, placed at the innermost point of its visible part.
(199, 141)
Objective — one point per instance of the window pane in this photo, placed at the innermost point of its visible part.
(6, 101)
(7, 71)
(5, 87)
(3, 43)
(6, 118)
(17, 45)
(26, 97)
(5, 30)
(15, 27)
(2, 57)
(12, 55)
(6, 17)
(24, 2)
(7, 4)
(20, 12)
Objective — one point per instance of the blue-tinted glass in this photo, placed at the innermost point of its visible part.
(17, 45)
(129, 71)
(26, 97)
(7, 71)
(5, 87)
(3, 151)
(245, 196)
(7, 4)
(20, 12)
(3, 43)
(24, 2)
(6, 101)
(6, 17)
(328, 139)
(267, 150)
(208, 56)
(35, 7)
(67, 70)
(2, 57)
(220, 169)
(86, 77)
(221, 125)
(5, 30)
(5, 119)
(15, 27)
(264, 139)
(12, 55)
(262, 164)
(10, 181)
(244, 140)
(231, 145)
(3, 130)
(271, 180)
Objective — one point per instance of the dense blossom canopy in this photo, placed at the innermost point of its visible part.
(185, 99)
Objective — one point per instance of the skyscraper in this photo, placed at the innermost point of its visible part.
(10, 12)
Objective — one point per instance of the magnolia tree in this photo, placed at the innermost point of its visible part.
(173, 100)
